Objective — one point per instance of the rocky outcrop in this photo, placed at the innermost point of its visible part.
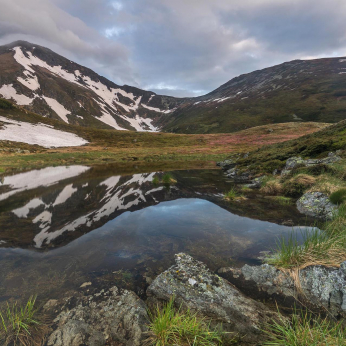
(321, 288)
(112, 315)
(294, 162)
(316, 204)
(194, 287)
(227, 164)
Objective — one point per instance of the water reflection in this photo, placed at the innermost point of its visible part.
(125, 229)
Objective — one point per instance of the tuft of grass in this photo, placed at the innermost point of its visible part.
(168, 179)
(338, 197)
(20, 326)
(319, 247)
(272, 187)
(231, 194)
(296, 186)
(283, 200)
(305, 330)
(156, 180)
(170, 327)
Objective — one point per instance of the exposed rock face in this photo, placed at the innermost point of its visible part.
(196, 288)
(112, 315)
(321, 288)
(294, 162)
(316, 204)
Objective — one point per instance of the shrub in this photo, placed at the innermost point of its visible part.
(156, 180)
(338, 197)
(296, 186)
(168, 179)
(170, 327)
(20, 326)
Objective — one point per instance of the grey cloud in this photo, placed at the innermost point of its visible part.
(180, 47)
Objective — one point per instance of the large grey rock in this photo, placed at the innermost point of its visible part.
(227, 164)
(296, 161)
(112, 315)
(316, 204)
(321, 288)
(196, 288)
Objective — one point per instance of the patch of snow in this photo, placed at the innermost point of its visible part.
(44, 218)
(65, 194)
(151, 97)
(24, 211)
(58, 108)
(138, 122)
(154, 190)
(30, 81)
(342, 60)
(9, 92)
(45, 136)
(157, 109)
(42, 177)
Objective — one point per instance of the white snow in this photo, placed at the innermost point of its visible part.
(58, 108)
(24, 211)
(342, 60)
(65, 194)
(43, 135)
(9, 92)
(108, 96)
(151, 97)
(43, 177)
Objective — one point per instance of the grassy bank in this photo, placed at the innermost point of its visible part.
(111, 146)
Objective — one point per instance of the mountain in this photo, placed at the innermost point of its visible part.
(46, 83)
(300, 90)
(55, 87)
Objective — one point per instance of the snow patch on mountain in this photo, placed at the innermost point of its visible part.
(9, 92)
(58, 108)
(40, 134)
(157, 109)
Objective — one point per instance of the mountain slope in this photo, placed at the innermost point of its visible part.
(55, 87)
(300, 90)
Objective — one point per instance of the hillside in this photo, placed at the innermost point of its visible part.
(48, 84)
(300, 90)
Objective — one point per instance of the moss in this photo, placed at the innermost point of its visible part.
(338, 196)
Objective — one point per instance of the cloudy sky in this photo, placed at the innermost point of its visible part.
(178, 47)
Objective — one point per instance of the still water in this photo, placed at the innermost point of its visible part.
(64, 226)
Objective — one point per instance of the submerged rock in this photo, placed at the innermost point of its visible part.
(195, 287)
(321, 288)
(316, 204)
(109, 315)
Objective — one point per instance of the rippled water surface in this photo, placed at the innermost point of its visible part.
(63, 226)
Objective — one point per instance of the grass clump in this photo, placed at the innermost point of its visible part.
(297, 185)
(4, 104)
(170, 327)
(232, 194)
(21, 326)
(338, 197)
(304, 330)
(156, 180)
(168, 179)
(271, 187)
(319, 247)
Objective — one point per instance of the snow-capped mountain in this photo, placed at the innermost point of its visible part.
(48, 84)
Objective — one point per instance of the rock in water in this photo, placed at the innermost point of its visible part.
(111, 315)
(194, 287)
(316, 204)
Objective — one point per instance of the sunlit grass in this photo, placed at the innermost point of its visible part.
(305, 330)
(20, 325)
(171, 327)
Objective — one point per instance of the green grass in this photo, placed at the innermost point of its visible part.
(167, 179)
(156, 180)
(282, 200)
(305, 330)
(171, 327)
(232, 194)
(319, 247)
(338, 196)
(20, 326)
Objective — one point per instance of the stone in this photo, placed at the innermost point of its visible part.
(316, 204)
(321, 288)
(256, 183)
(112, 315)
(195, 287)
(227, 164)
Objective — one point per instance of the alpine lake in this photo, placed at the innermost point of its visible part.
(64, 227)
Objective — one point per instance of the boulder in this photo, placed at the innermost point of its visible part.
(227, 164)
(316, 204)
(112, 315)
(195, 287)
(321, 288)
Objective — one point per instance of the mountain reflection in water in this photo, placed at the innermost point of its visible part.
(71, 225)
